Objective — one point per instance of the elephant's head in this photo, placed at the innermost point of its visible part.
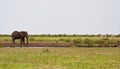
(24, 34)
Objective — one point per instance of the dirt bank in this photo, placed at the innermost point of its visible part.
(42, 44)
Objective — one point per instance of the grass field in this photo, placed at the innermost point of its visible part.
(59, 58)
(72, 40)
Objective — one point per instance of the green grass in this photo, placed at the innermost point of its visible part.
(74, 41)
(59, 58)
(47, 38)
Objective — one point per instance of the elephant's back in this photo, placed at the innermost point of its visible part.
(15, 33)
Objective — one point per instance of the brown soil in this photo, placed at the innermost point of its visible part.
(42, 44)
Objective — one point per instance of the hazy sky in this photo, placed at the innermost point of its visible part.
(60, 16)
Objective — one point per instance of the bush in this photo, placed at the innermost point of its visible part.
(100, 41)
(104, 42)
(6, 40)
(77, 41)
(88, 42)
(66, 40)
(85, 42)
(32, 39)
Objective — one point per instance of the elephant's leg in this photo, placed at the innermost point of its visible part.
(13, 41)
(23, 40)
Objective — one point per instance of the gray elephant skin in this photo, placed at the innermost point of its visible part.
(20, 35)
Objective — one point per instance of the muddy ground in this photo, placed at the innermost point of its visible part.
(45, 44)
(42, 44)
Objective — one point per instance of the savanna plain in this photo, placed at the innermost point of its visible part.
(73, 57)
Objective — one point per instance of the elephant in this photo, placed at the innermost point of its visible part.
(20, 35)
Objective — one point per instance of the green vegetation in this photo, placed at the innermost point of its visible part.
(59, 58)
(62, 58)
(73, 40)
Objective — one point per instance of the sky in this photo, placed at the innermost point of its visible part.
(60, 16)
